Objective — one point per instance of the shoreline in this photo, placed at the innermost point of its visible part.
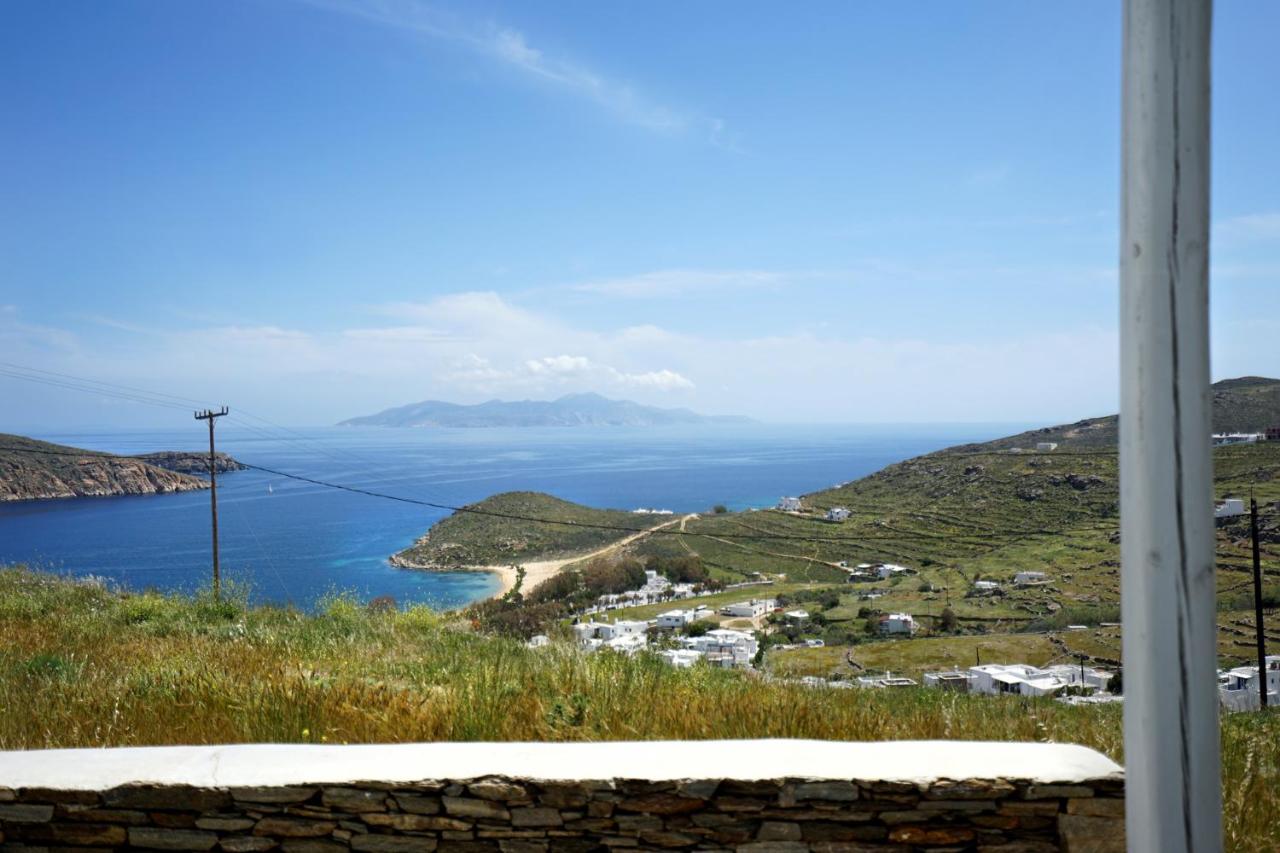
(535, 571)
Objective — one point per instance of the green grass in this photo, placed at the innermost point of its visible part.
(84, 667)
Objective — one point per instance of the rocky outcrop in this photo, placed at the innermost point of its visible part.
(185, 462)
(91, 476)
(37, 470)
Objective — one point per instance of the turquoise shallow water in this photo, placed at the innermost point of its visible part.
(294, 542)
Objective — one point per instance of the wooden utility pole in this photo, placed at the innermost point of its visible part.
(1257, 604)
(210, 415)
(1173, 783)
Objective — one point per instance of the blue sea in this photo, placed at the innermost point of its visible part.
(294, 543)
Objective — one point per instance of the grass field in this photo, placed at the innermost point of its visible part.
(81, 666)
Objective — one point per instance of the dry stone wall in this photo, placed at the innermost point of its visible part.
(522, 816)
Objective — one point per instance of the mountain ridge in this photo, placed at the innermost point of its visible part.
(570, 410)
(1242, 404)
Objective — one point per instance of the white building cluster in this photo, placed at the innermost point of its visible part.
(656, 589)
(1020, 679)
(719, 647)
(1221, 439)
(723, 647)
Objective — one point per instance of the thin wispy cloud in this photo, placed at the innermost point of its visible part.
(511, 48)
(1248, 229)
(679, 282)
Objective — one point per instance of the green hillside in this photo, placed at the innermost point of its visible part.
(484, 536)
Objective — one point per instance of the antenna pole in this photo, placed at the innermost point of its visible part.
(210, 415)
(1173, 778)
(1257, 604)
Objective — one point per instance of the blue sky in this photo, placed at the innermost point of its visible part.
(812, 212)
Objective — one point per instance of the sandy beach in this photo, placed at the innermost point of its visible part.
(540, 570)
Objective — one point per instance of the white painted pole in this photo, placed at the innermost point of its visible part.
(1173, 789)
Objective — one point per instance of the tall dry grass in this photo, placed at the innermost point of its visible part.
(83, 666)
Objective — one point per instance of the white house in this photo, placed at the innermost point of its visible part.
(537, 641)
(837, 513)
(955, 680)
(815, 644)
(680, 658)
(1020, 679)
(1224, 438)
(1029, 578)
(1077, 676)
(1229, 508)
(886, 680)
(585, 631)
(725, 647)
(796, 616)
(674, 619)
(622, 628)
(1047, 446)
(789, 504)
(897, 623)
(985, 587)
(1017, 679)
(752, 609)
(627, 644)
(888, 570)
(1238, 688)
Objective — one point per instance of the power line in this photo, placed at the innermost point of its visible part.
(130, 393)
(472, 510)
(171, 401)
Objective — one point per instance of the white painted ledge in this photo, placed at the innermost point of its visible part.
(291, 764)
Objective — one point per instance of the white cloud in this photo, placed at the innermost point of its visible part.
(665, 380)
(469, 347)
(559, 365)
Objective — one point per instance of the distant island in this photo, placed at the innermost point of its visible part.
(40, 470)
(569, 411)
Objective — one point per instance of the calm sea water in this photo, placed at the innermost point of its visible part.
(293, 542)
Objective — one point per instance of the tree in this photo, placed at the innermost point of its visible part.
(948, 621)
(702, 626)
(719, 509)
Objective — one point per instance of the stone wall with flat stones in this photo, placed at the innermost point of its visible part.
(520, 815)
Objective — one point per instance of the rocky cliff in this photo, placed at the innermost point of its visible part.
(185, 462)
(35, 470)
